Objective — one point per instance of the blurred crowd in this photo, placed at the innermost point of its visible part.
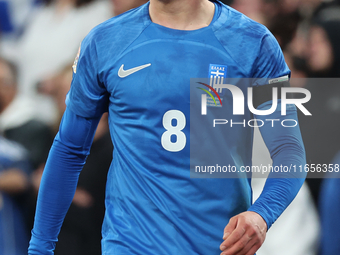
(39, 40)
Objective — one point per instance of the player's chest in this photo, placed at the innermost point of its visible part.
(163, 70)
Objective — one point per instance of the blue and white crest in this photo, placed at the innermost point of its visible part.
(218, 70)
(217, 74)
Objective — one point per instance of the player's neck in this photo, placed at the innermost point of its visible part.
(182, 14)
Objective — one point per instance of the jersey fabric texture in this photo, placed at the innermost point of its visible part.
(137, 71)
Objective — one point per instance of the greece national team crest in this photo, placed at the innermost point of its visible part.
(217, 74)
(74, 67)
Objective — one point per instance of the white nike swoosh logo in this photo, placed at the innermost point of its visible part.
(123, 73)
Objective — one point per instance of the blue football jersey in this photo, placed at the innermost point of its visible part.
(140, 73)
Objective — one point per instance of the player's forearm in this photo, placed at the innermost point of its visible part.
(56, 191)
(286, 149)
(59, 180)
(277, 194)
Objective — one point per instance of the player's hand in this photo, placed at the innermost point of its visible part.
(244, 234)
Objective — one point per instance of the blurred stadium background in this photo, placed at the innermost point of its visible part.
(39, 40)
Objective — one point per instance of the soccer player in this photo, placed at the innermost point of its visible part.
(137, 66)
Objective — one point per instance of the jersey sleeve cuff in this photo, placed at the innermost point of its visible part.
(41, 247)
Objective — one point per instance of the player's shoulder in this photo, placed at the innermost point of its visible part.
(244, 39)
(240, 25)
(119, 28)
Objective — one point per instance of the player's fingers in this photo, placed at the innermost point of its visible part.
(253, 249)
(241, 246)
(234, 237)
(230, 227)
(253, 245)
(250, 248)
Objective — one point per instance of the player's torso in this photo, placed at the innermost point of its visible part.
(148, 83)
(152, 77)
(152, 204)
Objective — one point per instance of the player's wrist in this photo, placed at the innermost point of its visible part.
(38, 246)
(261, 215)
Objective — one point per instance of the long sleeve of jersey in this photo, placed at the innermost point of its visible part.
(59, 181)
(286, 149)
